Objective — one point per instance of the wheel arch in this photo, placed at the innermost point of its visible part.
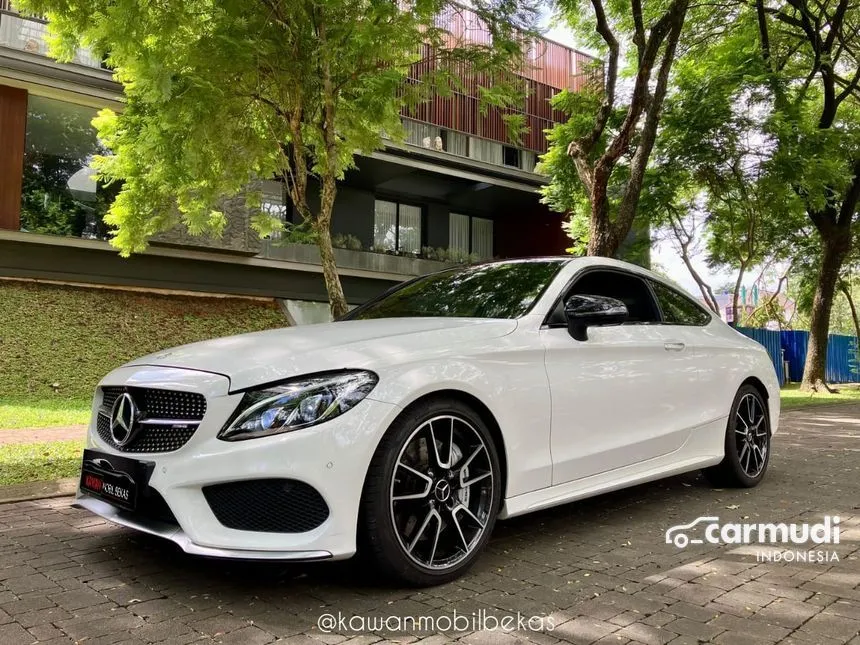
(480, 409)
(755, 382)
(761, 388)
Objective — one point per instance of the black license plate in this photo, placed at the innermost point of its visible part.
(114, 479)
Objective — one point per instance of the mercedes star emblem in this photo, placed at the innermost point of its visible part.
(123, 416)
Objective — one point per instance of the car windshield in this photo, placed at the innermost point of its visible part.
(499, 290)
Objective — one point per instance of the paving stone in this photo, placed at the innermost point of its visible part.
(832, 626)
(14, 634)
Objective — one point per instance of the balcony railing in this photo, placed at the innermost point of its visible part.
(27, 34)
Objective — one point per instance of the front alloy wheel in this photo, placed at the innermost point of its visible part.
(747, 442)
(432, 493)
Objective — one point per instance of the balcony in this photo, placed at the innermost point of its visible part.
(27, 34)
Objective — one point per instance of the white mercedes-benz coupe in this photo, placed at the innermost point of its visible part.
(403, 431)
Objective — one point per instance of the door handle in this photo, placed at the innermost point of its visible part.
(674, 346)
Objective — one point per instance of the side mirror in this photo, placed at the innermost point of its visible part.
(584, 311)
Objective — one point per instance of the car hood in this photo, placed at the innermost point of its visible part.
(267, 356)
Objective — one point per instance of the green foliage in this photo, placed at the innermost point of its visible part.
(72, 336)
(301, 233)
(349, 242)
(452, 256)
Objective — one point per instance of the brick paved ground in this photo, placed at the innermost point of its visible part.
(598, 568)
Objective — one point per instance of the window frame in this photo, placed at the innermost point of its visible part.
(550, 321)
(708, 313)
(422, 242)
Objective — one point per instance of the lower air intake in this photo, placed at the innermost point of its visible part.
(267, 505)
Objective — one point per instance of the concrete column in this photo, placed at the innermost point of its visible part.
(13, 125)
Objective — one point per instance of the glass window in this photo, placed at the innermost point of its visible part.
(59, 192)
(458, 232)
(456, 143)
(469, 234)
(409, 228)
(397, 227)
(422, 134)
(483, 150)
(678, 309)
(482, 237)
(385, 225)
(498, 290)
(511, 156)
(527, 160)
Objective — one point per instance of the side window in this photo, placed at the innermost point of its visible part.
(677, 308)
(629, 289)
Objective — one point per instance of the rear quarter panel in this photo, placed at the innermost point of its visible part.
(729, 359)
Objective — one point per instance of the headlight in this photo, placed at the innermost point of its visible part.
(297, 403)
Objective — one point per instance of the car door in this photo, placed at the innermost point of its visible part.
(686, 323)
(613, 394)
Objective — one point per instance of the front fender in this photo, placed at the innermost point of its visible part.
(516, 393)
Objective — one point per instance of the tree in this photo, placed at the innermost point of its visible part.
(610, 144)
(222, 93)
(716, 136)
(812, 57)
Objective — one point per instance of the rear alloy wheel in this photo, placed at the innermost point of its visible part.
(747, 443)
(432, 494)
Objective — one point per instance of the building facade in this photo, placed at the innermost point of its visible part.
(457, 190)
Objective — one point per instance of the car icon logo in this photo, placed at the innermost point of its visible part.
(677, 534)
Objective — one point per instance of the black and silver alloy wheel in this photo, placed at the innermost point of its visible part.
(432, 493)
(747, 442)
(751, 435)
(442, 492)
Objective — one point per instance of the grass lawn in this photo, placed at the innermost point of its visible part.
(792, 397)
(28, 412)
(32, 462)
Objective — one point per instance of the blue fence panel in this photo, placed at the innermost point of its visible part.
(841, 353)
(794, 343)
(771, 341)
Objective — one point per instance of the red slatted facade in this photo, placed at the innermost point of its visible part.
(548, 68)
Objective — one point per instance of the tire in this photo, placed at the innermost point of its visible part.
(747, 443)
(432, 494)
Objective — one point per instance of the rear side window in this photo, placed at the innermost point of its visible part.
(677, 308)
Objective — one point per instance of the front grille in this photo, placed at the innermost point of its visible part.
(167, 418)
(267, 505)
(159, 404)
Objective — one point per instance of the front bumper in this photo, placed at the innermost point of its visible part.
(332, 458)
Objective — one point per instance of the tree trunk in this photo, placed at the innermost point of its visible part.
(322, 225)
(735, 317)
(601, 240)
(834, 250)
